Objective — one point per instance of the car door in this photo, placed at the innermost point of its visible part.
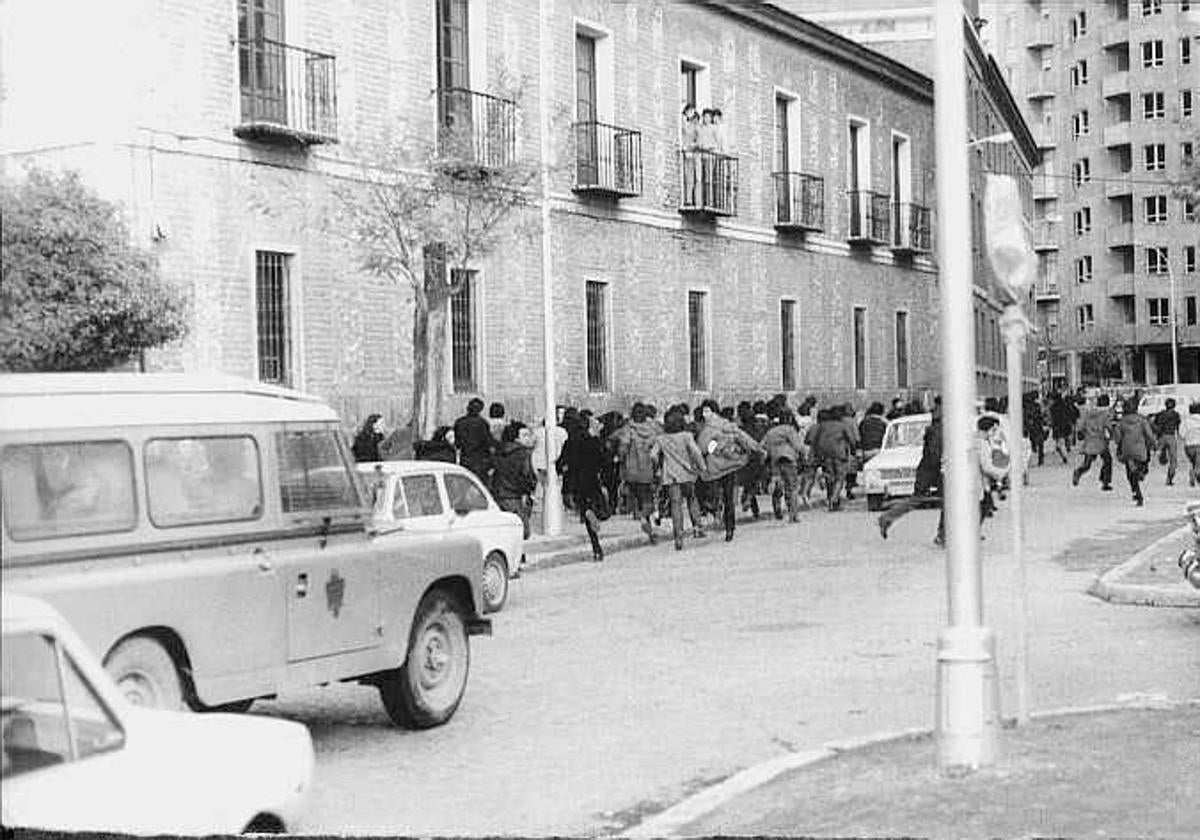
(470, 506)
(420, 503)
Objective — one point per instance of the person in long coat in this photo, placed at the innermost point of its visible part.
(1135, 442)
(726, 450)
(579, 463)
(1095, 424)
(366, 442)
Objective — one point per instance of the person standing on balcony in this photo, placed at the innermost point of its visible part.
(706, 142)
(722, 179)
(689, 142)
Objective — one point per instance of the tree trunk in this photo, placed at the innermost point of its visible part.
(429, 363)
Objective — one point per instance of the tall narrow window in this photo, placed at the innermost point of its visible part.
(1185, 50)
(464, 346)
(860, 178)
(787, 343)
(689, 79)
(597, 336)
(783, 157)
(273, 305)
(698, 340)
(585, 109)
(261, 63)
(453, 65)
(1190, 311)
(860, 347)
(1185, 103)
(901, 349)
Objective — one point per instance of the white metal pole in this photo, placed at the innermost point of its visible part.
(966, 713)
(552, 512)
(1015, 329)
(1174, 322)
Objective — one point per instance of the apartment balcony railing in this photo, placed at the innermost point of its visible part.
(1119, 235)
(476, 131)
(1045, 136)
(1046, 235)
(870, 217)
(287, 93)
(1117, 187)
(1116, 134)
(1120, 285)
(1115, 84)
(799, 201)
(1115, 34)
(911, 231)
(1045, 187)
(608, 160)
(1047, 291)
(1041, 86)
(1041, 36)
(709, 183)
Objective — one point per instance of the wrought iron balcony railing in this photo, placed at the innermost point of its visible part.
(709, 182)
(287, 92)
(911, 230)
(608, 160)
(799, 201)
(476, 130)
(870, 217)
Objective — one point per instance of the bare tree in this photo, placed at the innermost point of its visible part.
(1103, 359)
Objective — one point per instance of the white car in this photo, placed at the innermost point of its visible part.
(79, 757)
(436, 496)
(893, 472)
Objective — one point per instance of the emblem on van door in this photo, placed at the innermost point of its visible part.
(335, 593)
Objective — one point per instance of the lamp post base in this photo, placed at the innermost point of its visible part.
(968, 711)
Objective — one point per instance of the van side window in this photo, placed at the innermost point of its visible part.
(36, 712)
(194, 480)
(67, 489)
(464, 494)
(421, 492)
(313, 473)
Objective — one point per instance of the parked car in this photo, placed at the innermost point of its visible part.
(78, 757)
(1154, 398)
(893, 472)
(436, 496)
(210, 539)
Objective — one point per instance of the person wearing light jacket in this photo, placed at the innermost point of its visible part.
(726, 450)
(637, 464)
(681, 464)
(1134, 442)
(786, 455)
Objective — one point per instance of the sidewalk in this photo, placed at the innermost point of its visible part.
(1152, 577)
(1117, 772)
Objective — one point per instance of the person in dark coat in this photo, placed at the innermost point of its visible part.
(1062, 425)
(440, 447)
(1095, 425)
(513, 478)
(473, 440)
(579, 463)
(929, 481)
(1035, 426)
(1134, 441)
(1166, 427)
(833, 443)
(366, 442)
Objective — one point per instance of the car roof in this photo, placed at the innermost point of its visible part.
(410, 467)
(86, 400)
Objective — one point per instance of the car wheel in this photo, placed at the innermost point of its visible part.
(495, 582)
(426, 690)
(146, 674)
(874, 501)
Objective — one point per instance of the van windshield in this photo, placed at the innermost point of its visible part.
(313, 472)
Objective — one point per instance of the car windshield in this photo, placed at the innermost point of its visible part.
(905, 433)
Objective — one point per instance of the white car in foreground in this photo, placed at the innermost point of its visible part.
(893, 472)
(78, 757)
(437, 496)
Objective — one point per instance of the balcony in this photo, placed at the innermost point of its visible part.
(477, 132)
(799, 201)
(1116, 134)
(870, 218)
(1041, 86)
(1117, 188)
(288, 94)
(1045, 136)
(1115, 34)
(1119, 235)
(710, 183)
(1046, 235)
(911, 232)
(1115, 85)
(1046, 291)
(1041, 36)
(1120, 285)
(1045, 187)
(608, 160)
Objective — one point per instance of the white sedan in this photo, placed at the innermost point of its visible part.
(893, 472)
(79, 757)
(435, 496)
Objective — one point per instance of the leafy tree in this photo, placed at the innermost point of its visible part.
(75, 293)
(1101, 362)
(421, 214)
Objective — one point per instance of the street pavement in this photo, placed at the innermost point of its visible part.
(611, 691)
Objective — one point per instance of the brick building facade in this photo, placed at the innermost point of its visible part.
(223, 138)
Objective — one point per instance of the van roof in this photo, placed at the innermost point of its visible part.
(88, 400)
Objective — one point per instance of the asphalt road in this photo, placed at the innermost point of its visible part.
(612, 691)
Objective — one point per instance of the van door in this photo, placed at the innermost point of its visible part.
(330, 574)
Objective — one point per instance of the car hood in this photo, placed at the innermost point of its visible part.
(897, 456)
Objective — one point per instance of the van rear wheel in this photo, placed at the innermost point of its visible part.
(425, 691)
(146, 674)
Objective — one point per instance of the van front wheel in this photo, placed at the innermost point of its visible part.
(426, 690)
(146, 674)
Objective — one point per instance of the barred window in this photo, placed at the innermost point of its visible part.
(860, 347)
(273, 303)
(787, 343)
(463, 342)
(901, 349)
(698, 340)
(597, 336)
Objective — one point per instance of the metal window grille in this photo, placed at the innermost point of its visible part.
(901, 349)
(787, 343)
(462, 332)
(698, 340)
(597, 336)
(860, 348)
(274, 317)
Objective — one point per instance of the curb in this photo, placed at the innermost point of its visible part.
(581, 551)
(674, 818)
(1108, 586)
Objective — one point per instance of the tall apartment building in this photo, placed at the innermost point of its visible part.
(1110, 89)
(798, 258)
